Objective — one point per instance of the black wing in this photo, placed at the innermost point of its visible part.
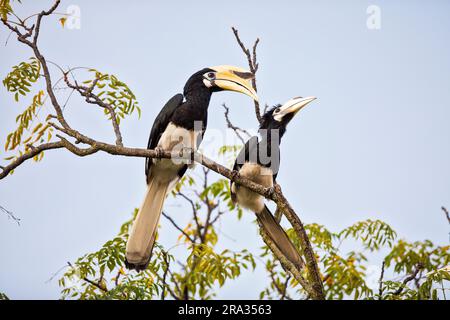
(249, 151)
(268, 155)
(160, 124)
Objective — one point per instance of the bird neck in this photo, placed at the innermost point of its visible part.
(197, 94)
(272, 135)
(194, 109)
(198, 99)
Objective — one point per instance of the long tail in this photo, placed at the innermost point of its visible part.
(143, 233)
(279, 237)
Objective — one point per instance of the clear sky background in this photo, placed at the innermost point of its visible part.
(376, 143)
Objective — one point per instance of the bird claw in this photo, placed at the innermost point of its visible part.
(186, 151)
(271, 191)
(187, 154)
(277, 188)
(159, 152)
(234, 175)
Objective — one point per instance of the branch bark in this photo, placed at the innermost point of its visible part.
(253, 65)
(447, 214)
(409, 278)
(29, 155)
(236, 129)
(177, 227)
(94, 99)
(10, 215)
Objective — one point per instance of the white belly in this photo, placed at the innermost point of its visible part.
(247, 198)
(173, 139)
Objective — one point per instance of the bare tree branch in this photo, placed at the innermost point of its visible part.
(281, 288)
(164, 283)
(236, 129)
(278, 215)
(194, 213)
(97, 284)
(253, 65)
(177, 227)
(29, 155)
(380, 282)
(409, 278)
(94, 99)
(447, 214)
(10, 215)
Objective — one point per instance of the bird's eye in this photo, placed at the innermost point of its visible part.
(210, 76)
(277, 110)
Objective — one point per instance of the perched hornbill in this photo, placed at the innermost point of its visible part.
(180, 124)
(259, 161)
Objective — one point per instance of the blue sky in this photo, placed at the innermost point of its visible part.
(375, 144)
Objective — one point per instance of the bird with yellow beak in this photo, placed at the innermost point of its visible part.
(259, 161)
(180, 124)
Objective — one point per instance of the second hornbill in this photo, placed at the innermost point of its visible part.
(259, 161)
(180, 124)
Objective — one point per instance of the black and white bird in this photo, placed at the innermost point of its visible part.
(179, 125)
(259, 161)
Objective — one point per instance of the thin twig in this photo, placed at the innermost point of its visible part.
(236, 129)
(409, 278)
(380, 282)
(10, 215)
(253, 65)
(94, 99)
(177, 227)
(164, 284)
(194, 213)
(447, 214)
(96, 284)
(116, 281)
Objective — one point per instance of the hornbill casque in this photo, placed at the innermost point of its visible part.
(259, 161)
(179, 125)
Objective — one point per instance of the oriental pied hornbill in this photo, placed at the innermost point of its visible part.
(259, 161)
(179, 125)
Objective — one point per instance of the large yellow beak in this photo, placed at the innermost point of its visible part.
(234, 79)
(292, 107)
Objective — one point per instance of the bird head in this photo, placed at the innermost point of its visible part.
(223, 77)
(280, 115)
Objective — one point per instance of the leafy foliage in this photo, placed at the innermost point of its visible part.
(373, 234)
(5, 8)
(21, 78)
(101, 274)
(405, 256)
(115, 93)
(19, 81)
(28, 132)
(92, 274)
(345, 273)
(36, 131)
